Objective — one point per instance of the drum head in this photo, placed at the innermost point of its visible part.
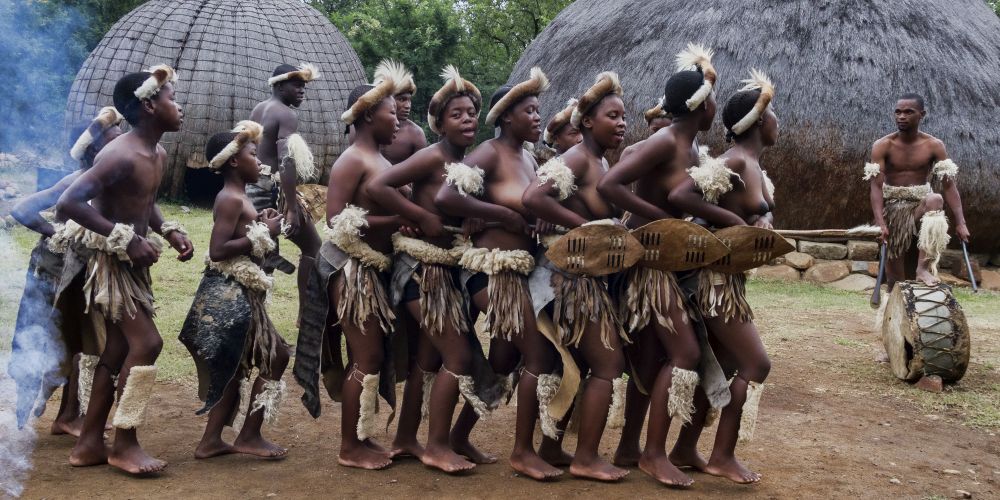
(750, 247)
(925, 332)
(674, 245)
(595, 250)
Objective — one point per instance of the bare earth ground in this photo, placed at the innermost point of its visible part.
(834, 423)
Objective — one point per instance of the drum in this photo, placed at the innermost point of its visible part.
(925, 333)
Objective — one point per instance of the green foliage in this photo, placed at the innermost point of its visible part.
(995, 5)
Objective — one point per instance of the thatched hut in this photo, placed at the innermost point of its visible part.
(838, 67)
(224, 52)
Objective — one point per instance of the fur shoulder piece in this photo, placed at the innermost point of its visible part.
(945, 169)
(871, 171)
(161, 75)
(712, 176)
(607, 83)
(344, 231)
(301, 155)
(493, 260)
(468, 180)
(534, 85)
(395, 71)
(562, 177)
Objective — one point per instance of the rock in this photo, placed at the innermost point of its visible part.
(873, 269)
(827, 272)
(799, 260)
(827, 251)
(859, 266)
(894, 481)
(185, 209)
(779, 272)
(952, 472)
(961, 271)
(855, 283)
(862, 250)
(990, 280)
(994, 259)
(932, 383)
(948, 257)
(951, 279)
(963, 494)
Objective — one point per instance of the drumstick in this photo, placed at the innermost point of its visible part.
(876, 293)
(968, 265)
(497, 225)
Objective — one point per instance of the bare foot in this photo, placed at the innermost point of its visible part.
(688, 459)
(135, 461)
(732, 470)
(362, 457)
(446, 460)
(627, 455)
(532, 465)
(213, 448)
(475, 456)
(71, 427)
(259, 447)
(597, 469)
(87, 454)
(403, 449)
(929, 279)
(373, 445)
(555, 455)
(665, 472)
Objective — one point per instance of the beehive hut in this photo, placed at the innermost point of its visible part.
(224, 52)
(838, 67)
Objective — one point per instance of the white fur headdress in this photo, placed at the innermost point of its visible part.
(161, 75)
(369, 100)
(106, 118)
(607, 83)
(246, 131)
(561, 119)
(698, 58)
(655, 112)
(454, 85)
(534, 85)
(305, 72)
(395, 71)
(757, 81)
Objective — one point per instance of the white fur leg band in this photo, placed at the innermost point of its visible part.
(562, 177)
(467, 388)
(467, 180)
(680, 403)
(243, 404)
(548, 386)
(131, 412)
(748, 422)
(616, 412)
(85, 380)
(368, 406)
(933, 237)
(260, 239)
(269, 399)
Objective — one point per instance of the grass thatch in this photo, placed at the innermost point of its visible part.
(838, 67)
(224, 52)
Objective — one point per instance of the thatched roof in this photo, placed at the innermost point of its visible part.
(838, 67)
(224, 52)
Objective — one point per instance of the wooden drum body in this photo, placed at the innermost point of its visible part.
(925, 333)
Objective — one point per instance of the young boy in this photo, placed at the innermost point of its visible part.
(227, 329)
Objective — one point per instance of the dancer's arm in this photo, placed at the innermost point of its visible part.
(28, 211)
(879, 151)
(614, 186)
(951, 196)
(384, 188)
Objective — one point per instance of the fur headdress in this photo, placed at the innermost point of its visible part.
(655, 112)
(161, 75)
(607, 83)
(557, 122)
(305, 72)
(454, 85)
(395, 71)
(369, 100)
(106, 118)
(697, 58)
(534, 85)
(246, 131)
(757, 81)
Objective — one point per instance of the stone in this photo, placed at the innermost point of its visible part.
(827, 272)
(799, 260)
(982, 258)
(894, 481)
(859, 266)
(951, 279)
(873, 269)
(827, 251)
(932, 383)
(951, 472)
(948, 257)
(994, 259)
(862, 250)
(961, 271)
(990, 280)
(855, 283)
(963, 494)
(779, 272)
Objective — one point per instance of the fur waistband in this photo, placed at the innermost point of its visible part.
(906, 193)
(428, 253)
(245, 271)
(493, 260)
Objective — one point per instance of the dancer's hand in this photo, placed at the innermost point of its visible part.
(180, 242)
(472, 225)
(431, 225)
(514, 223)
(292, 218)
(272, 219)
(884, 237)
(409, 231)
(141, 253)
(963, 232)
(543, 228)
(763, 222)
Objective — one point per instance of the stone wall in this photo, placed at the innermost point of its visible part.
(853, 265)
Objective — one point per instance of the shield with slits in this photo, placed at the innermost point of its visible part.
(677, 245)
(596, 250)
(750, 247)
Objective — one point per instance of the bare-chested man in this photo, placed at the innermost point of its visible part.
(284, 148)
(900, 172)
(661, 312)
(656, 118)
(114, 203)
(586, 321)
(489, 186)
(39, 327)
(410, 137)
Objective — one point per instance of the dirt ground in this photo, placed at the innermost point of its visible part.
(834, 424)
